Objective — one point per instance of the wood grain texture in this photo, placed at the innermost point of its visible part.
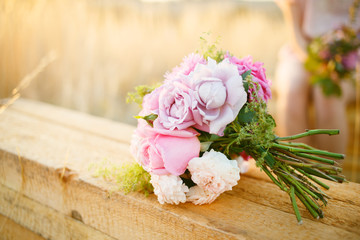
(41, 219)
(10, 230)
(45, 153)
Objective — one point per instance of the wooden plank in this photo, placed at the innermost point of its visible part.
(338, 213)
(255, 209)
(122, 132)
(43, 220)
(10, 230)
(75, 120)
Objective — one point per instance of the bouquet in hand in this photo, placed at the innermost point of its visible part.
(332, 58)
(197, 129)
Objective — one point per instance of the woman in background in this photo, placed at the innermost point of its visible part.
(307, 19)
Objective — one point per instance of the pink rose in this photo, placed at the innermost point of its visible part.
(349, 60)
(175, 106)
(258, 73)
(151, 102)
(161, 151)
(186, 67)
(173, 103)
(220, 94)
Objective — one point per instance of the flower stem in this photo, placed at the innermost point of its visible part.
(309, 133)
(320, 159)
(295, 207)
(315, 152)
(307, 205)
(295, 144)
(281, 186)
(313, 178)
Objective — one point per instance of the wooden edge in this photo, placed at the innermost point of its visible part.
(120, 132)
(37, 176)
(121, 216)
(134, 216)
(79, 121)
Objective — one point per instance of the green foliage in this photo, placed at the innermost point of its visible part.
(149, 118)
(252, 130)
(139, 93)
(129, 177)
(209, 49)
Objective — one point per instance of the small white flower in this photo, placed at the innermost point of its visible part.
(198, 196)
(169, 188)
(243, 164)
(213, 172)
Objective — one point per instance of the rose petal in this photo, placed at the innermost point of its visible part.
(235, 83)
(177, 152)
(218, 125)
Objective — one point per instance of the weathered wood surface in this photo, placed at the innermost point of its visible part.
(11, 230)
(45, 186)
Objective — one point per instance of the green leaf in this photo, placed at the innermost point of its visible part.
(214, 137)
(246, 116)
(246, 86)
(245, 74)
(149, 118)
(330, 88)
(139, 93)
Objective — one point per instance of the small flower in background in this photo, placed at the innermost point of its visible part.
(349, 60)
(332, 59)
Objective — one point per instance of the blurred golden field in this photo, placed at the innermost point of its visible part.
(106, 47)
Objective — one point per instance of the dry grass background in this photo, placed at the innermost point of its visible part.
(106, 47)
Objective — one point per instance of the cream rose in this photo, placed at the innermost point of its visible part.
(169, 188)
(214, 172)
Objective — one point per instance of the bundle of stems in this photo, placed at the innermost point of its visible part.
(294, 168)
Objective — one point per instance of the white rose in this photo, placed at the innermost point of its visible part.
(169, 188)
(213, 172)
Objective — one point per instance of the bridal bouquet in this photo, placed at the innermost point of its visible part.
(332, 58)
(198, 128)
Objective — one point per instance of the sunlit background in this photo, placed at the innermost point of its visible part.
(106, 47)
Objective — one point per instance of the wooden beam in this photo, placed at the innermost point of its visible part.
(45, 221)
(10, 230)
(45, 153)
